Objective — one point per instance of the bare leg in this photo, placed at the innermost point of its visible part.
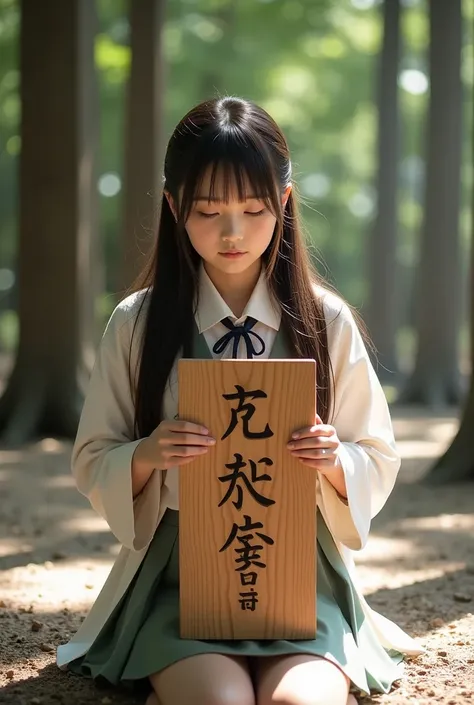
(206, 679)
(301, 680)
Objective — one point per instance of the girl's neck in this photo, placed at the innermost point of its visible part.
(235, 289)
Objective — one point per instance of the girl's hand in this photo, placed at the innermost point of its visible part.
(175, 443)
(171, 443)
(316, 446)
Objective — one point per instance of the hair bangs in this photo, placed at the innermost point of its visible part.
(231, 165)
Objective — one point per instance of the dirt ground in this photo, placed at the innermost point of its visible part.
(55, 554)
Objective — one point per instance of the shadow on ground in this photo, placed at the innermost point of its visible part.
(418, 570)
(48, 687)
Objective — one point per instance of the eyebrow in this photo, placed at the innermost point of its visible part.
(221, 200)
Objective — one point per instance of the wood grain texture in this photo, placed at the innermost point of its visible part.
(210, 585)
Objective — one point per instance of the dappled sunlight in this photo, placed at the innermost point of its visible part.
(410, 562)
(411, 424)
(446, 522)
(11, 456)
(373, 578)
(420, 449)
(60, 482)
(56, 552)
(442, 430)
(380, 547)
(422, 436)
(52, 445)
(84, 521)
(69, 584)
(9, 546)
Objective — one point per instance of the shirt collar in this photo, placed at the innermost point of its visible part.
(212, 308)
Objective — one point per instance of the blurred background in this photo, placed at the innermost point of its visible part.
(376, 101)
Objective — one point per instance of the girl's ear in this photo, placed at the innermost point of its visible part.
(286, 195)
(171, 204)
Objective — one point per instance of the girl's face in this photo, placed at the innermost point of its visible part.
(230, 237)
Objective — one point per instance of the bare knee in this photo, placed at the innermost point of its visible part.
(302, 680)
(233, 698)
(228, 695)
(207, 679)
(317, 697)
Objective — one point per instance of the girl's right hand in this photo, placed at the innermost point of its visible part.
(175, 443)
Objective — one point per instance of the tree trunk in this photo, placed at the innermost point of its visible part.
(436, 379)
(143, 148)
(56, 186)
(457, 464)
(382, 308)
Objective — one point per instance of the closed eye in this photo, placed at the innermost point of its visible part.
(255, 213)
(213, 215)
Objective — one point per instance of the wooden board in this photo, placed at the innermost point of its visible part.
(247, 491)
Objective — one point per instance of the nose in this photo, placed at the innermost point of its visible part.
(232, 229)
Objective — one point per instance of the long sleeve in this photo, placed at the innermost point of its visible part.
(362, 420)
(104, 446)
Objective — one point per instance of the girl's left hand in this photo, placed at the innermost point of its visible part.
(316, 446)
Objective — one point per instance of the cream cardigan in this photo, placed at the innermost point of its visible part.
(105, 444)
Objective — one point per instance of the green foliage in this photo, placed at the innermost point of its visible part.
(311, 63)
(8, 330)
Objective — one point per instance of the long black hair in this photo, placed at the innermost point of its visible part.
(244, 143)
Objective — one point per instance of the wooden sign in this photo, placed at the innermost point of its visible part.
(247, 516)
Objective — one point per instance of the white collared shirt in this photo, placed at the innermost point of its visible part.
(211, 310)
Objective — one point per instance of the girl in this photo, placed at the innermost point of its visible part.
(230, 277)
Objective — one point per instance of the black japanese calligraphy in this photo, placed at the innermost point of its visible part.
(248, 600)
(247, 410)
(248, 526)
(248, 538)
(248, 578)
(248, 554)
(238, 474)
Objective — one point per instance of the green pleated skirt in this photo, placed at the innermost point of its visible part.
(141, 636)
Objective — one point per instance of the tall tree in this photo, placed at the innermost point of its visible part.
(143, 138)
(56, 186)
(457, 464)
(382, 305)
(435, 380)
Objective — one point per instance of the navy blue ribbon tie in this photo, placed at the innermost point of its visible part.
(235, 333)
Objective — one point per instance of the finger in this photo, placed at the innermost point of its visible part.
(177, 460)
(314, 442)
(190, 439)
(323, 466)
(311, 431)
(183, 451)
(178, 426)
(185, 439)
(314, 453)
